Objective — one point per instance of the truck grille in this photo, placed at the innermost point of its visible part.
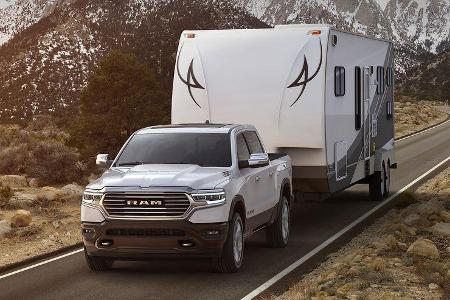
(137, 205)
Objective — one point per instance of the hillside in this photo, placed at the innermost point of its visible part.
(44, 67)
(50, 46)
(418, 23)
(17, 15)
(429, 80)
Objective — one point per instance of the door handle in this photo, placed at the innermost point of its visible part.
(257, 178)
(271, 173)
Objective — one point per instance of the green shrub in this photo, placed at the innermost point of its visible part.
(50, 161)
(5, 195)
(53, 162)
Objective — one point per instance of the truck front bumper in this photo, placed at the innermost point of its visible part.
(144, 239)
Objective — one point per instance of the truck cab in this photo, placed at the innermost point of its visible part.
(192, 190)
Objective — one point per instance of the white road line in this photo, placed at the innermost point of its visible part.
(420, 132)
(41, 263)
(313, 252)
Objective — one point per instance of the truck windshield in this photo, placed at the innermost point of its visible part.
(203, 149)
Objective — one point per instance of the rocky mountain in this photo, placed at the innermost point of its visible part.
(44, 67)
(50, 46)
(429, 80)
(17, 15)
(421, 23)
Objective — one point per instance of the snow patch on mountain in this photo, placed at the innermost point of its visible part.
(423, 23)
(18, 15)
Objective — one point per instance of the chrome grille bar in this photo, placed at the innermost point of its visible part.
(173, 205)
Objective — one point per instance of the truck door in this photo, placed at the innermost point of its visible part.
(367, 122)
(248, 181)
(266, 186)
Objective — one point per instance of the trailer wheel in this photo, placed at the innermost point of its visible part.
(232, 255)
(387, 180)
(377, 184)
(98, 264)
(277, 234)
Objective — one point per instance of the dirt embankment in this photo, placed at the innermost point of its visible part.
(36, 220)
(403, 255)
(413, 116)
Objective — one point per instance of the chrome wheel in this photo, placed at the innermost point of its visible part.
(238, 242)
(285, 220)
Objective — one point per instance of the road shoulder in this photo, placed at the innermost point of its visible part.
(405, 254)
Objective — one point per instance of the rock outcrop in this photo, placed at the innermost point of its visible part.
(5, 228)
(423, 247)
(21, 218)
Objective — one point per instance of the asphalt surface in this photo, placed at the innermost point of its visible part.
(312, 224)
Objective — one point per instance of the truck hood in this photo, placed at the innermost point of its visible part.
(146, 176)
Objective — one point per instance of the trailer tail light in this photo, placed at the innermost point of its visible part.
(189, 35)
(314, 32)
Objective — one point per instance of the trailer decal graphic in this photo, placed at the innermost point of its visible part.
(304, 74)
(190, 81)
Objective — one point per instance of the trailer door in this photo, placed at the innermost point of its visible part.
(366, 112)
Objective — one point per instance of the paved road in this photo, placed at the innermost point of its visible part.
(313, 223)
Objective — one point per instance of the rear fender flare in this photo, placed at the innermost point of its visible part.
(285, 184)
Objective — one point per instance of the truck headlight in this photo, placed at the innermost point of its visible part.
(92, 197)
(209, 197)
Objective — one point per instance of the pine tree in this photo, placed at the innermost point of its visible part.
(122, 96)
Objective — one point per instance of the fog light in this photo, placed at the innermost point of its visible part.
(212, 234)
(187, 244)
(105, 243)
(88, 232)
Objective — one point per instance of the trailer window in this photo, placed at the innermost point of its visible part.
(389, 112)
(339, 81)
(253, 142)
(357, 98)
(389, 76)
(380, 80)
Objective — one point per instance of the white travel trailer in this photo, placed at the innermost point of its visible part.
(323, 96)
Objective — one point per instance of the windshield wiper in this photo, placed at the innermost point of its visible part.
(131, 163)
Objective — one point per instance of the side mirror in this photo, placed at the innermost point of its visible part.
(256, 160)
(102, 161)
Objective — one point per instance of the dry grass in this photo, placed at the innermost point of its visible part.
(414, 116)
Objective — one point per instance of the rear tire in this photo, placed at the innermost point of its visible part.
(98, 264)
(277, 234)
(377, 184)
(232, 255)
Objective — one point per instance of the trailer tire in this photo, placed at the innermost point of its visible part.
(387, 180)
(277, 234)
(98, 264)
(230, 261)
(377, 184)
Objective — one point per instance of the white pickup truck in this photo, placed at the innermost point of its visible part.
(189, 190)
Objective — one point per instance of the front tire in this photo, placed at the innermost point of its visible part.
(97, 264)
(230, 261)
(277, 234)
